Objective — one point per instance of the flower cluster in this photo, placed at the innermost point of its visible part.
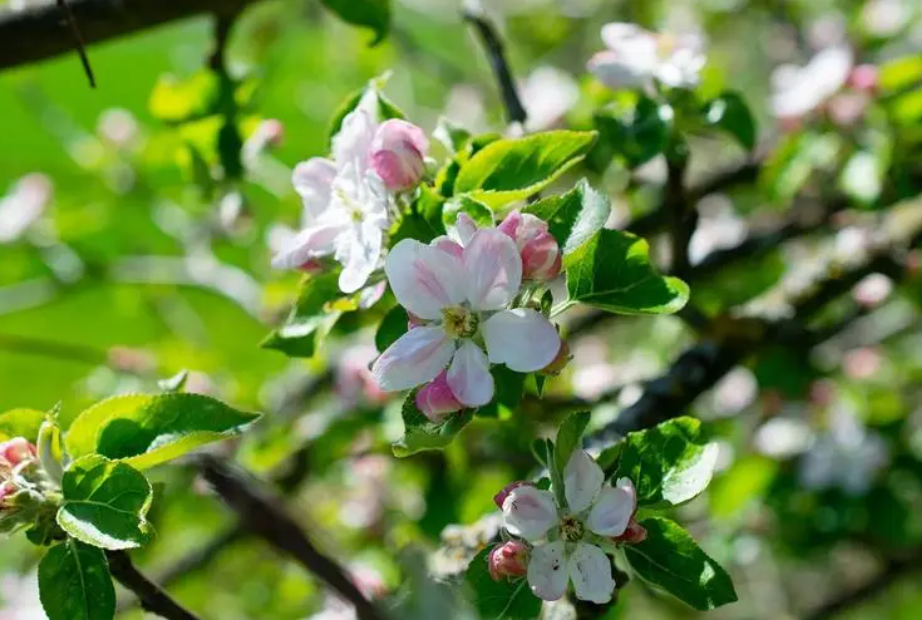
(20, 482)
(555, 544)
(347, 199)
(461, 293)
(638, 58)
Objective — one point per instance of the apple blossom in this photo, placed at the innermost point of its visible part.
(463, 295)
(798, 91)
(500, 497)
(509, 559)
(541, 256)
(436, 399)
(638, 58)
(398, 154)
(565, 537)
(354, 383)
(16, 451)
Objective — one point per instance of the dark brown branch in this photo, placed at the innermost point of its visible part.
(78, 39)
(262, 514)
(37, 32)
(152, 598)
(515, 111)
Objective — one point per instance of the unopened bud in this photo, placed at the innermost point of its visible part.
(436, 400)
(398, 154)
(16, 451)
(864, 78)
(541, 257)
(7, 489)
(509, 559)
(500, 498)
(635, 533)
(560, 362)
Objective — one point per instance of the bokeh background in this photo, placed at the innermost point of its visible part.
(125, 259)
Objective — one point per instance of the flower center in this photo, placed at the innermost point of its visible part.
(459, 322)
(571, 530)
(352, 207)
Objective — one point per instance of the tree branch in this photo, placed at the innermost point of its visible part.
(515, 111)
(152, 598)
(78, 39)
(37, 32)
(261, 513)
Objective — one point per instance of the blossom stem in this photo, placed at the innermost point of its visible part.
(562, 307)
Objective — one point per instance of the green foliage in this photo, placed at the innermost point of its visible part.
(509, 386)
(670, 558)
(613, 272)
(392, 327)
(145, 431)
(106, 504)
(512, 169)
(21, 423)
(639, 135)
(422, 434)
(670, 463)
(499, 600)
(373, 14)
(728, 112)
(310, 320)
(573, 217)
(795, 160)
(479, 212)
(74, 583)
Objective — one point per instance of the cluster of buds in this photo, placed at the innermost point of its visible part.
(21, 483)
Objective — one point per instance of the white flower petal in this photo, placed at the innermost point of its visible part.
(590, 571)
(313, 179)
(469, 376)
(613, 510)
(582, 480)
(529, 512)
(492, 269)
(615, 72)
(416, 358)
(548, 571)
(311, 242)
(424, 279)
(522, 339)
(362, 251)
(352, 143)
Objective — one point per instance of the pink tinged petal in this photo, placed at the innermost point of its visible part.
(416, 358)
(582, 480)
(548, 571)
(398, 154)
(492, 270)
(500, 498)
(312, 242)
(424, 279)
(436, 400)
(449, 246)
(611, 514)
(510, 224)
(465, 227)
(541, 258)
(313, 180)
(529, 512)
(590, 572)
(469, 375)
(522, 339)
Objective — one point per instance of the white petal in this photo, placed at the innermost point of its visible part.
(492, 269)
(582, 480)
(361, 256)
(615, 72)
(590, 571)
(548, 571)
(613, 510)
(424, 279)
(465, 227)
(522, 339)
(312, 180)
(469, 376)
(416, 358)
(311, 242)
(529, 512)
(352, 143)
(614, 34)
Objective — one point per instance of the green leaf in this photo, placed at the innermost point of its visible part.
(479, 212)
(393, 326)
(573, 217)
(569, 439)
(513, 169)
(900, 73)
(21, 423)
(729, 112)
(612, 271)
(311, 318)
(669, 463)
(74, 583)
(374, 14)
(794, 161)
(499, 600)
(421, 434)
(639, 135)
(509, 387)
(106, 504)
(450, 134)
(672, 560)
(448, 173)
(176, 101)
(386, 108)
(148, 430)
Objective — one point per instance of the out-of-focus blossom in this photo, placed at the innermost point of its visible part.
(354, 382)
(847, 108)
(864, 78)
(736, 391)
(798, 91)
(638, 58)
(460, 543)
(847, 456)
(398, 154)
(541, 255)
(23, 205)
(548, 94)
(718, 228)
(782, 437)
(885, 18)
(862, 363)
(118, 127)
(269, 134)
(873, 290)
(370, 584)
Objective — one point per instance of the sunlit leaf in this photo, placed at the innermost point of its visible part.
(74, 583)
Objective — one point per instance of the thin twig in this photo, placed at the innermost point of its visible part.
(515, 111)
(78, 40)
(261, 512)
(152, 598)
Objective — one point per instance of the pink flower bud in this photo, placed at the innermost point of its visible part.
(312, 266)
(17, 450)
(436, 400)
(398, 154)
(635, 533)
(864, 78)
(500, 497)
(541, 258)
(560, 362)
(7, 489)
(508, 560)
(414, 321)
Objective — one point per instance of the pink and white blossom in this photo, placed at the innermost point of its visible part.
(541, 255)
(16, 451)
(798, 91)
(463, 298)
(398, 154)
(562, 536)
